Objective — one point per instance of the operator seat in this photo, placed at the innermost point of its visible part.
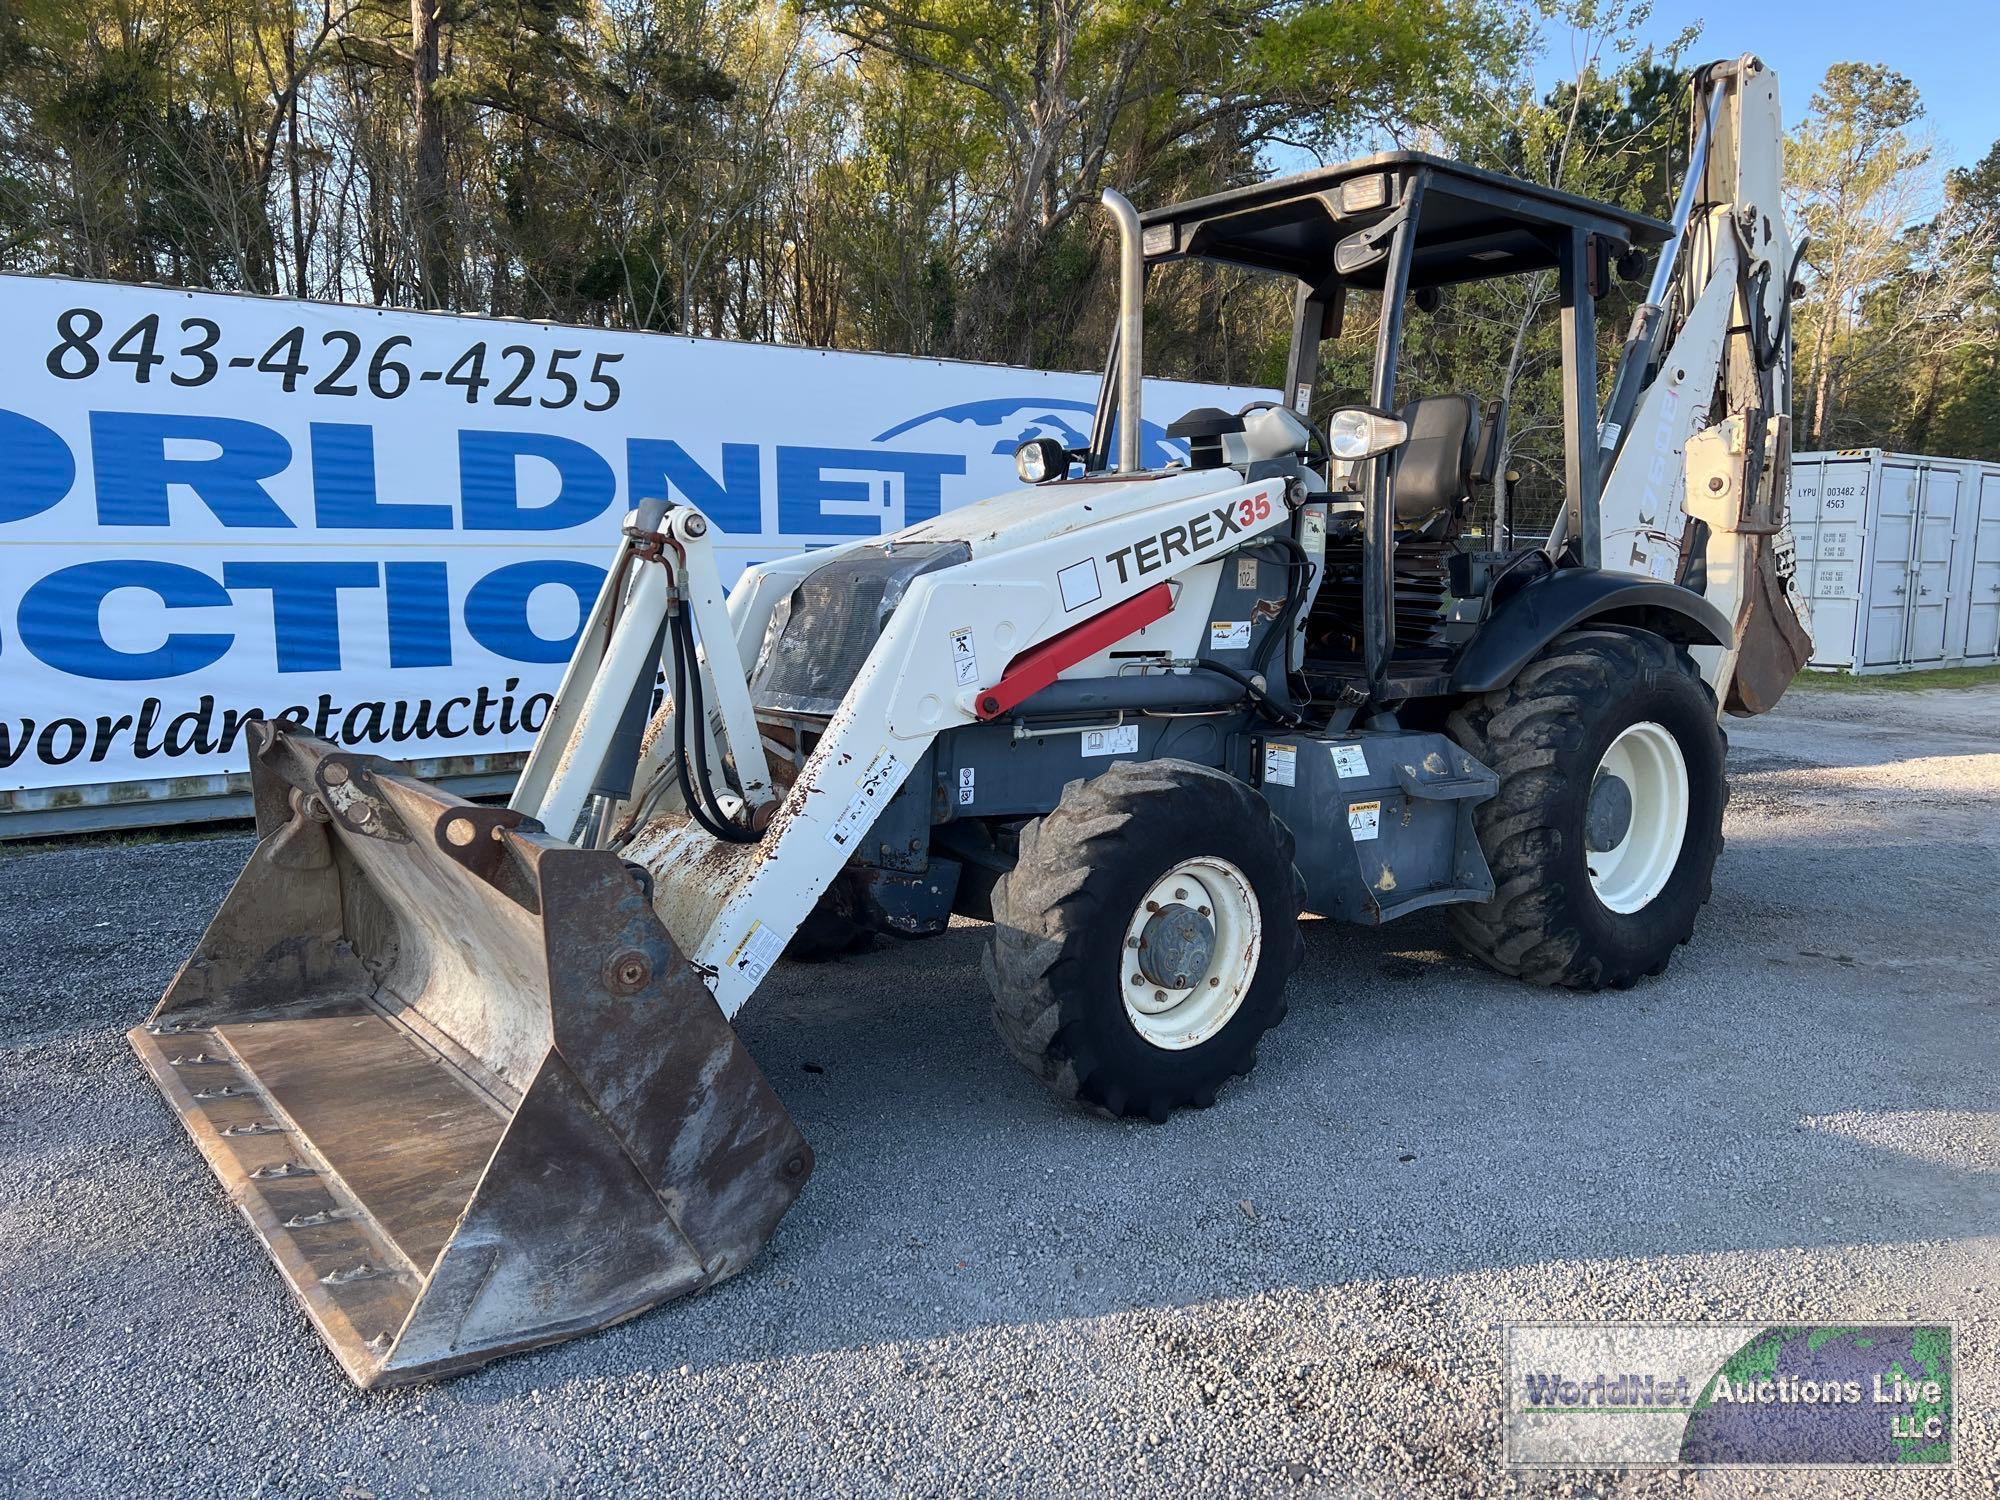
(1437, 466)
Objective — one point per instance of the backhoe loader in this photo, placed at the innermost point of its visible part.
(469, 1070)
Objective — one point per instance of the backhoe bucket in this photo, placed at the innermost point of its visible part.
(458, 1077)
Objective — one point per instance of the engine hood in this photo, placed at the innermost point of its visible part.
(1038, 513)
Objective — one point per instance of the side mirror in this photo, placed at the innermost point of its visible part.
(1357, 432)
(1039, 460)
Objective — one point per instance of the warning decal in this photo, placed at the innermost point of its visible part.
(1121, 740)
(964, 660)
(757, 952)
(883, 775)
(1281, 765)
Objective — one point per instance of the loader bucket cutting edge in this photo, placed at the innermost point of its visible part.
(458, 1077)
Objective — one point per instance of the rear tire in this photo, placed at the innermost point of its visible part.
(1604, 834)
(1070, 918)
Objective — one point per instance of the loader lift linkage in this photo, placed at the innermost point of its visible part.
(469, 1072)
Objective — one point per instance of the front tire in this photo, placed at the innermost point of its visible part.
(1604, 834)
(1142, 943)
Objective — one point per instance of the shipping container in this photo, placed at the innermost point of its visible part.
(1899, 557)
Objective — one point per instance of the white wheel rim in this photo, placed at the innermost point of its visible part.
(1636, 868)
(1176, 1017)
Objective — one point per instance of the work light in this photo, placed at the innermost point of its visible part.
(1356, 432)
(1041, 459)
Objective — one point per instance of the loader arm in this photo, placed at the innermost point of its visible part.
(1697, 433)
(1051, 580)
(593, 744)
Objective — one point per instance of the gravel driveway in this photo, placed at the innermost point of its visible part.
(1296, 1292)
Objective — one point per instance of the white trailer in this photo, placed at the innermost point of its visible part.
(1899, 555)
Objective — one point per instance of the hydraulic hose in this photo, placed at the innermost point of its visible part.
(1298, 579)
(1299, 571)
(1265, 704)
(689, 710)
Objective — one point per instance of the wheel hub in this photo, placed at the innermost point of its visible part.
(1175, 947)
(1609, 817)
(1636, 817)
(1190, 952)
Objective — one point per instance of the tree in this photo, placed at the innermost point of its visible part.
(1856, 177)
(1967, 404)
(1615, 130)
(1159, 98)
(922, 175)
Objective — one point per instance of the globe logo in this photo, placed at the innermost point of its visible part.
(1019, 419)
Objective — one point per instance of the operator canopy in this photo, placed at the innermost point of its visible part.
(1333, 223)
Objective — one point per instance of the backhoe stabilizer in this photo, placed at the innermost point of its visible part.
(457, 1075)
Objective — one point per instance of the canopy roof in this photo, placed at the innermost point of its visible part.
(1471, 223)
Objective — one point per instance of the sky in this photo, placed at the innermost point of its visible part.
(1947, 48)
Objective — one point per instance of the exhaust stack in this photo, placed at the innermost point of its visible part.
(1131, 329)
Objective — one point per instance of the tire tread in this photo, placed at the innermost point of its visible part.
(1049, 901)
(1522, 732)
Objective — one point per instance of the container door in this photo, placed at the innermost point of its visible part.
(1982, 616)
(1891, 545)
(1825, 511)
(1930, 574)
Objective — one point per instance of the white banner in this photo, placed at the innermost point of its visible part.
(385, 526)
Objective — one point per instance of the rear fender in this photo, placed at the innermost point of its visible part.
(1542, 610)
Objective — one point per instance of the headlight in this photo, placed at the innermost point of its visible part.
(1360, 195)
(1041, 459)
(1355, 432)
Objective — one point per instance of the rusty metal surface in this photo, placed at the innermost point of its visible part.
(157, 802)
(458, 1077)
(706, 871)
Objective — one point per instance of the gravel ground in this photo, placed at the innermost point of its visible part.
(1295, 1292)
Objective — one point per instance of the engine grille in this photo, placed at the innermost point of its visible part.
(821, 635)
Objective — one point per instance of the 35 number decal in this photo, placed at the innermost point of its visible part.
(1253, 509)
